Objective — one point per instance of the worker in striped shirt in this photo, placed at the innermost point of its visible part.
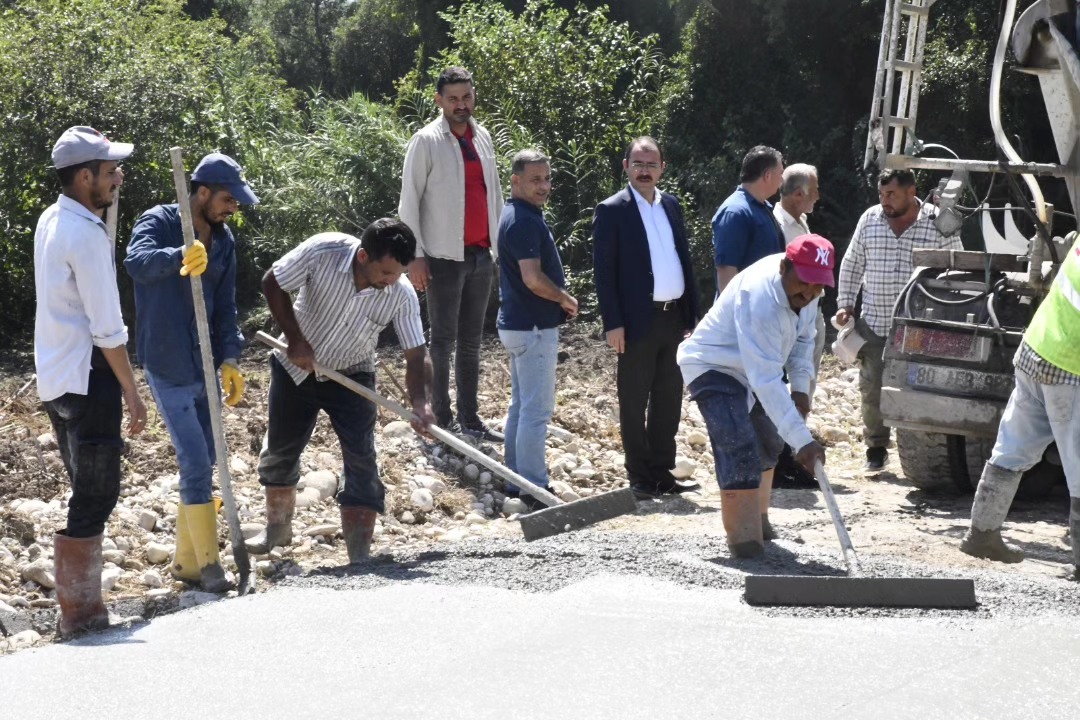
(878, 261)
(346, 291)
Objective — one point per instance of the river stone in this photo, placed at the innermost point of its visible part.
(109, 577)
(324, 481)
(434, 484)
(148, 520)
(684, 468)
(158, 552)
(514, 506)
(696, 438)
(308, 497)
(423, 500)
(39, 571)
(397, 428)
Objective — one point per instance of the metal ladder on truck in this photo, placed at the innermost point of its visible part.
(892, 116)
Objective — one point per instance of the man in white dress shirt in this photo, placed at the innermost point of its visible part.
(84, 376)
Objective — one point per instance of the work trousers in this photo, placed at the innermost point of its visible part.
(457, 300)
(293, 410)
(871, 367)
(650, 386)
(87, 429)
(1037, 415)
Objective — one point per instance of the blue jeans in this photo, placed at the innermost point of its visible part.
(1036, 416)
(533, 355)
(186, 413)
(293, 410)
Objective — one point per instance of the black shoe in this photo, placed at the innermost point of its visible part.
(790, 474)
(876, 458)
(481, 431)
(646, 491)
(676, 487)
(531, 504)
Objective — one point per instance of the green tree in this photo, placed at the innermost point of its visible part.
(139, 72)
(302, 32)
(374, 46)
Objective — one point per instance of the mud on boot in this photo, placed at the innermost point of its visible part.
(742, 521)
(280, 505)
(78, 585)
(768, 534)
(988, 544)
(358, 527)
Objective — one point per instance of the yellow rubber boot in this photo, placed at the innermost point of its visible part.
(184, 566)
(202, 526)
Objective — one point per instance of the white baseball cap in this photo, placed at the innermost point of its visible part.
(82, 144)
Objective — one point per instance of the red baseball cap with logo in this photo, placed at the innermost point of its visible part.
(814, 259)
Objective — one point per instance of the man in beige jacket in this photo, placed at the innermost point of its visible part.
(451, 200)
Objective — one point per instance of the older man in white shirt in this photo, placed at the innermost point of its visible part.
(84, 375)
(761, 326)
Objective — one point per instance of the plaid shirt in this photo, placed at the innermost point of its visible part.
(879, 262)
(1040, 370)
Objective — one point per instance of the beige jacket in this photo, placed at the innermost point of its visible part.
(433, 189)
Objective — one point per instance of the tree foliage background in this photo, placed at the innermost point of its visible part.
(318, 98)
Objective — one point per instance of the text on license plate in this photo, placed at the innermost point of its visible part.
(957, 381)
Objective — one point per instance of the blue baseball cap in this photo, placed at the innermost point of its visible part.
(81, 144)
(220, 169)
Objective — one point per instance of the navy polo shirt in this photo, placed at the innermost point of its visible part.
(523, 235)
(744, 231)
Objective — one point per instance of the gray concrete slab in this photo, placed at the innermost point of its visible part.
(607, 647)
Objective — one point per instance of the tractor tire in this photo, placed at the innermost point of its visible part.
(1037, 484)
(930, 461)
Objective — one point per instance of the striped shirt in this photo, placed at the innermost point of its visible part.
(1041, 371)
(341, 323)
(880, 263)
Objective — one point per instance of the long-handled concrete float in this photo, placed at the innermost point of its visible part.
(558, 517)
(856, 590)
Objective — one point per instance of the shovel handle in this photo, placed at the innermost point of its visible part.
(850, 558)
(442, 435)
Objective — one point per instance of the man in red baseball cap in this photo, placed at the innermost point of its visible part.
(763, 325)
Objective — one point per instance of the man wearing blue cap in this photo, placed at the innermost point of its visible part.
(166, 342)
(84, 377)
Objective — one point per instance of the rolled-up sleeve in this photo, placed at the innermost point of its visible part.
(760, 337)
(407, 324)
(95, 277)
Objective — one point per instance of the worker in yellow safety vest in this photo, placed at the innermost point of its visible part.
(1044, 407)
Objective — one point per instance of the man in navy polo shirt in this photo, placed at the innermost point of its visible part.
(534, 302)
(744, 230)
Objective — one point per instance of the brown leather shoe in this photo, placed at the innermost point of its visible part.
(358, 527)
(78, 584)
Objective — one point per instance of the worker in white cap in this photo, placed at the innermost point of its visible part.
(84, 377)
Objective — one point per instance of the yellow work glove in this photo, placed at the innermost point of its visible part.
(232, 382)
(194, 260)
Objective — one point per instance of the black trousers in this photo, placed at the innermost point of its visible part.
(650, 399)
(87, 431)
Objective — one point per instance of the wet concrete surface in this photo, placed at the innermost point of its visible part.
(590, 624)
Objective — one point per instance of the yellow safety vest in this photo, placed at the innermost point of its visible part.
(1054, 332)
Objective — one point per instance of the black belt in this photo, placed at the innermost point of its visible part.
(665, 305)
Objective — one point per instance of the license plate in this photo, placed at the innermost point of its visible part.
(956, 381)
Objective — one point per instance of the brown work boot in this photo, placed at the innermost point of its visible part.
(358, 527)
(989, 545)
(742, 522)
(1074, 533)
(78, 584)
(280, 505)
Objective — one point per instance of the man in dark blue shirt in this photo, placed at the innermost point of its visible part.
(744, 230)
(167, 344)
(533, 303)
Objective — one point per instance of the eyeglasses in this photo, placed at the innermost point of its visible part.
(637, 165)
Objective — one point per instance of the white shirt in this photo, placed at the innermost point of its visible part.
(792, 226)
(341, 323)
(78, 305)
(752, 334)
(668, 281)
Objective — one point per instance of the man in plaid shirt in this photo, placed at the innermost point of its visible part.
(878, 262)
